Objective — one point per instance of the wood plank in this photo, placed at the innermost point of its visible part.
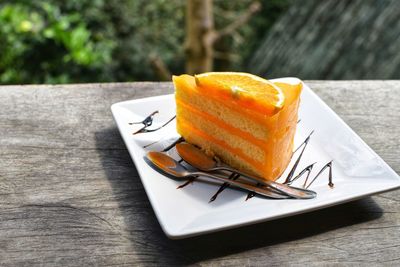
(70, 195)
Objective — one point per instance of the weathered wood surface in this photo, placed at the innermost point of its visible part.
(70, 195)
(333, 39)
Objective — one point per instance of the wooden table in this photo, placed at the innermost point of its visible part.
(70, 195)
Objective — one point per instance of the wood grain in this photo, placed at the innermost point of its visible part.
(70, 195)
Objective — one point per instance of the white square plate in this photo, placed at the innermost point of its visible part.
(357, 170)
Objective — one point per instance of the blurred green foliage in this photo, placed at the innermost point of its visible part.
(55, 41)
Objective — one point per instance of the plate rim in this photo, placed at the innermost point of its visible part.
(170, 233)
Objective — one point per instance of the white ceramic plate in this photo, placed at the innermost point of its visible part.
(357, 170)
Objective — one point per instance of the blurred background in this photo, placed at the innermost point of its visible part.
(75, 41)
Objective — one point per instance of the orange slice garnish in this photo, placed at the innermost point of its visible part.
(246, 89)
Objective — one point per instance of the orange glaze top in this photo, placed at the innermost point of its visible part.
(290, 91)
(243, 89)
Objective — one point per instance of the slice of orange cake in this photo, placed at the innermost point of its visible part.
(246, 121)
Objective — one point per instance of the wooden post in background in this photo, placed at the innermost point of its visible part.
(199, 36)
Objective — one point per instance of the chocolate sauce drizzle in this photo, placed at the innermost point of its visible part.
(189, 181)
(290, 179)
(304, 145)
(307, 170)
(169, 147)
(330, 183)
(148, 121)
(251, 194)
(233, 176)
(179, 140)
(152, 143)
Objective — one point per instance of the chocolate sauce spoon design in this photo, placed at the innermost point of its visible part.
(174, 168)
(201, 161)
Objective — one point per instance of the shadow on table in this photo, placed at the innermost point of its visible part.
(145, 233)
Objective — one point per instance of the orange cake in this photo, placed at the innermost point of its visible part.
(246, 121)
